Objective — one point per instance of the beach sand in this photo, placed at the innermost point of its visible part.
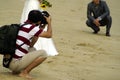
(82, 55)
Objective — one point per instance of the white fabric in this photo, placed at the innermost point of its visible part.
(42, 43)
(29, 5)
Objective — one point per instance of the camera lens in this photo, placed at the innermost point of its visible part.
(45, 13)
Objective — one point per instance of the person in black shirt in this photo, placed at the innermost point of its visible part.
(98, 14)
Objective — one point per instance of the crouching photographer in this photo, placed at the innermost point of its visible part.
(26, 58)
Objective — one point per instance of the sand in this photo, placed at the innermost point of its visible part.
(82, 55)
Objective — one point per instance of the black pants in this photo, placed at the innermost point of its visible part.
(107, 21)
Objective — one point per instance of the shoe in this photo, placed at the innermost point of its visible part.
(96, 31)
(108, 34)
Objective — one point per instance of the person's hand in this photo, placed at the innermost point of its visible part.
(48, 33)
(48, 19)
(96, 22)
(42, 26)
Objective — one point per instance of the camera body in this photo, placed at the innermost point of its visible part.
(43, 21)
(45, 13)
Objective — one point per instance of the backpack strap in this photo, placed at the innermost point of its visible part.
(25, 41)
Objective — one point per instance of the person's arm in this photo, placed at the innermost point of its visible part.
(48, 33)
(89, 12)
(90, 17)
(34, 40)
(106, 12)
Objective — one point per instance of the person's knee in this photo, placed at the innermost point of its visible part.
(109, 18)
(44, 53)
(109, 21)
(88, 23)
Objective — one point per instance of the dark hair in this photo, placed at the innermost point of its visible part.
(36, 16)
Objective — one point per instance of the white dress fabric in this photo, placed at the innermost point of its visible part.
(42, 43)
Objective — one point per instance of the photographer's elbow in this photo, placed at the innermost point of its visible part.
(50, 35)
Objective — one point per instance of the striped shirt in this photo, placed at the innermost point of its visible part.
(25, 34)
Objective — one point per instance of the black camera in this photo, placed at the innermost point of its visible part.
(45, 13)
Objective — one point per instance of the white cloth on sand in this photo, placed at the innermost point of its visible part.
(42, 43)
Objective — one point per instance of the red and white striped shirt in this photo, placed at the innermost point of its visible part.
(25, 33)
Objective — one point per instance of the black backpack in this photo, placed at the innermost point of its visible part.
(8, 35)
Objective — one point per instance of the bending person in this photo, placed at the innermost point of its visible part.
(42, 43)
(26, 58)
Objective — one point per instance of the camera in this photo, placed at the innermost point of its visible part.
(45, 13)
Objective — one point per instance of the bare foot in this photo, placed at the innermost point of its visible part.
(24, 75)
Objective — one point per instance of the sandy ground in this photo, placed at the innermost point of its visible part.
(82, 55)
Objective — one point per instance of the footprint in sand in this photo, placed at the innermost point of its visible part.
(85, 44)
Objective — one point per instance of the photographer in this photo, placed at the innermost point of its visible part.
(25, 58)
